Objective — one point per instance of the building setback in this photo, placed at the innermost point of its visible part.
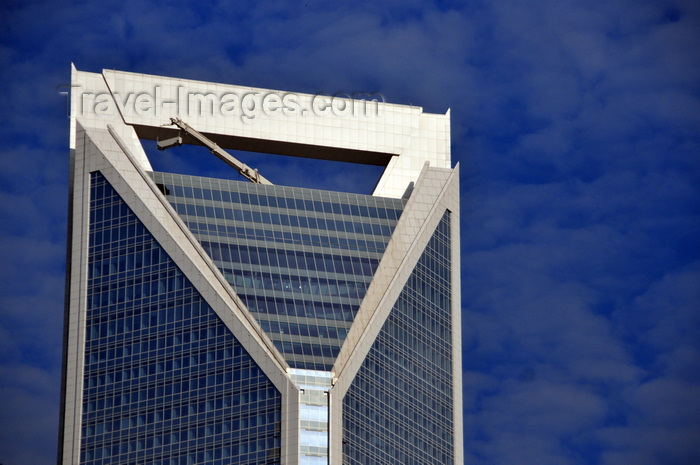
(220, 322)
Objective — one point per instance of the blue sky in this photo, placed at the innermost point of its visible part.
(577, 127)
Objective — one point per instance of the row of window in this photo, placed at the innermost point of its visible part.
(425, 302)
(131, 262)
(117, 237)
(297, 329)
(435, 326)
(244, 281)
(139, 294)
(388, 380)
(308, 349)
(103, 324)
(386, 207)
(324, 263)
(252, 452)
(300, 308)
(164, 432)
(163, 352)
(132, 422)
(178, 381)
(420, 434)
(109, 208)
(415, 358)
(393, 390)
(286, 237)
(251, 391)
(392, 454)
(281, 219)
(165, 309)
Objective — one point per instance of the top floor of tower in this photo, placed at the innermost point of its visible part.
(351, 127)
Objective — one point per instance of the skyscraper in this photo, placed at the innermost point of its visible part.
(211, 321)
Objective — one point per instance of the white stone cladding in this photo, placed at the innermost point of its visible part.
(403, 135)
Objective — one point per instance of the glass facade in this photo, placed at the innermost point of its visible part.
(165, 381)
(399, 408)
(300, 259)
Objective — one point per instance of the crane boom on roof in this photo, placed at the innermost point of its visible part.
(251, 174)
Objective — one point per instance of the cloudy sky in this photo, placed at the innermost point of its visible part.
(577, 128)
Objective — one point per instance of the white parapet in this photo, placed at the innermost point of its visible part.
(352, 127)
